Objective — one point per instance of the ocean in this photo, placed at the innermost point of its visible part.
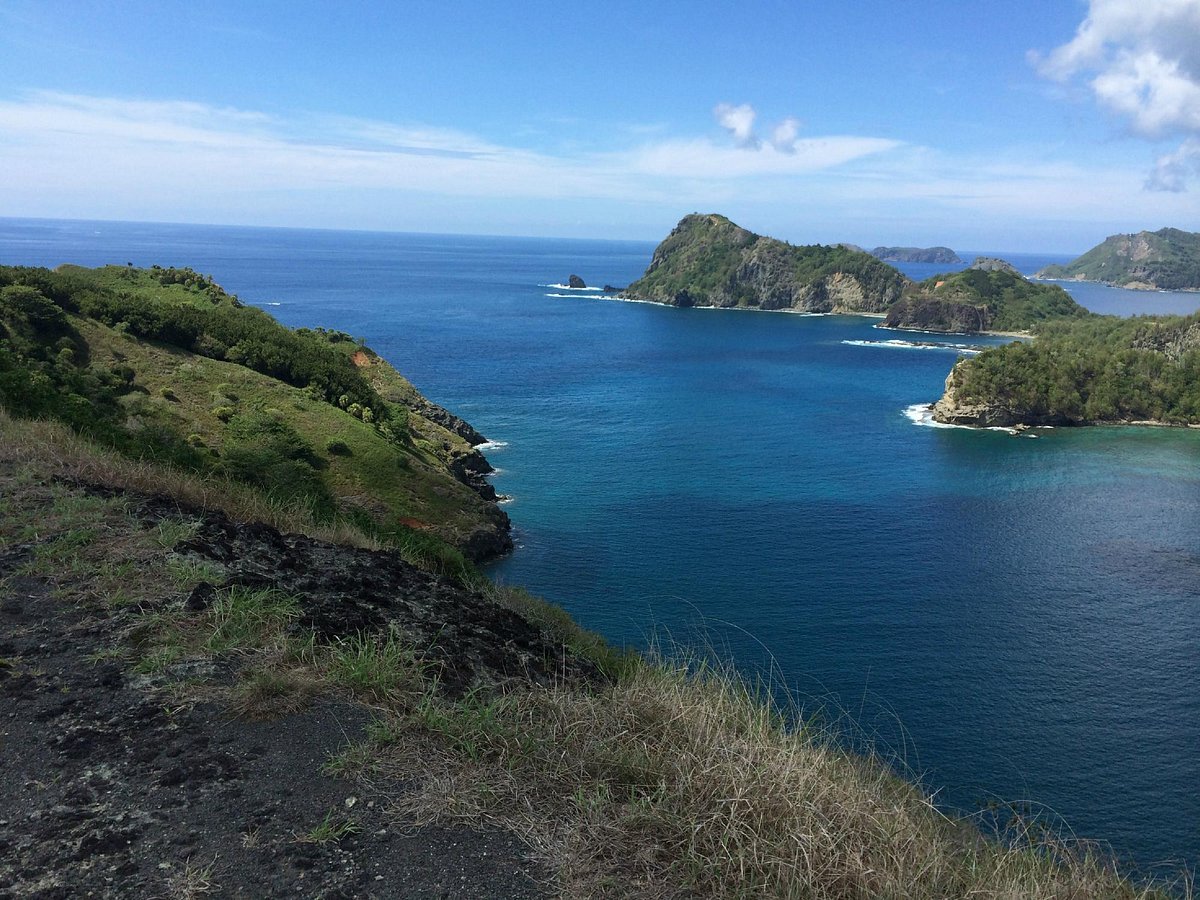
(1011, 619)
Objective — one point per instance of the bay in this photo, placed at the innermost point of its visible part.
(1009, 618)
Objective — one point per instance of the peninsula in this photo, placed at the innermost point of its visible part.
(707, 260)
(1166, 260)
(1083, 371)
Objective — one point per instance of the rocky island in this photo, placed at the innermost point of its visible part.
(937, 255)
(1166, 260)
(707, 260)
(991, 295)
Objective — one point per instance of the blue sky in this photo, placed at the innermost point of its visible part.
(1010, 125)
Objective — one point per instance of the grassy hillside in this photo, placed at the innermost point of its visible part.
(707, 260)
(163, 364)
(1167, 259)
(977, 299)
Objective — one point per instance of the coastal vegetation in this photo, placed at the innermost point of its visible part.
(988, 296)
(1167, 259)
(163, 365)
(707, 260)
(1088, 370)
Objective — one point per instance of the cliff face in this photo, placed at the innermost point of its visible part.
(954, 409)
(989, 296)
(707, 260)
(1167, 259)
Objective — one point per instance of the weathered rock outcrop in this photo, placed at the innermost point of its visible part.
(707, 260)
(922, 313)
(574, 281)
(992, 264)
(952, 409)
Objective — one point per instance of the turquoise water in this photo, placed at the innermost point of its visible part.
(1015, 618)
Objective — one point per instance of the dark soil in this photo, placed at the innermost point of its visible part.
(109, 787)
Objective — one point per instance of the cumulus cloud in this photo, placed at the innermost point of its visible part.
(1141, 61)
(783, 138)
(739, 122)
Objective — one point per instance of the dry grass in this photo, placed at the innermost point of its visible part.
(677, 783)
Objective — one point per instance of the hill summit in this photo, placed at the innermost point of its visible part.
(707, 260)
(1167, 260)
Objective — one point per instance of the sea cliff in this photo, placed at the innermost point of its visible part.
(707, 260)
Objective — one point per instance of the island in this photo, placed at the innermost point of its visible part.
(576, 283)
(938, 255)
(1163, 260)
(990, 296)
(707, 260)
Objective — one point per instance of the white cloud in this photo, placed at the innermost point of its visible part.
(783, 138)
(1141, 60)
(93, 157)
(739, 121)
(1171, 172)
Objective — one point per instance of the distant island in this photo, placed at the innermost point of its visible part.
(989, 296)
(707, 260)
(1167, 260)
(938, 255)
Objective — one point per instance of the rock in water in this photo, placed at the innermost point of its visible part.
(576, 282)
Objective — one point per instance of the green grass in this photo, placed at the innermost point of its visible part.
(331, 830)
(244, 619)
(378, 669)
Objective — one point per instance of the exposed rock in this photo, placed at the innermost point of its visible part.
(992, 264)
(936, 314)
(113, 788)
(951, 409)
(574, 281)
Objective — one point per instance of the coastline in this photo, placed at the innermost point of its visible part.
(1131, 286)
(1013, 334)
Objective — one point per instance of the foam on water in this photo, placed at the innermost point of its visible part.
(962, 349)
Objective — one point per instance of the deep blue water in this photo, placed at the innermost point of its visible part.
(1017, 619)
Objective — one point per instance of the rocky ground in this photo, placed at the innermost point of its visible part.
(118, 783)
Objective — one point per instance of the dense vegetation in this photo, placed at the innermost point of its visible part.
(162, 364)
(707, 260)
(983, 299)
(1098, 369)
(1167, 259)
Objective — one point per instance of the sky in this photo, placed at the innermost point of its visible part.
(1021, 125)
